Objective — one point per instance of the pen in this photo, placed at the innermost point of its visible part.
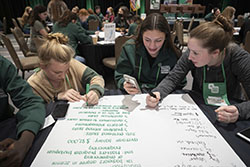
(152, 94)
(87, 91)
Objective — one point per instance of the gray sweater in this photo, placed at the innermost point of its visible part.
(237, 69)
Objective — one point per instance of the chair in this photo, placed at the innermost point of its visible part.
(247, 42)
(15, 23)
(189, 26)
(4, 30)
(176, 9)
(199, 10)
(38, 41)
(111, 61)
(26, 36)
(18, 34)
(187, 9)
(179, 33)
(20, 21)
(93, 25)
(4, 25)
(164, 8)
(24, 64)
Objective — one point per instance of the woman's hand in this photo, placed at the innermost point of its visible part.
(91, 98)
(71, 95)
(227, 114)
(130, 89)
(151, 101)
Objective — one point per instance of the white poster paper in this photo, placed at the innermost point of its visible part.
(121, 131)
(109, 32)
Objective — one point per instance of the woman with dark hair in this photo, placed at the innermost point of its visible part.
(38, 24)
(67, 25)
(149, 57)
(218, 66)
(121, 18)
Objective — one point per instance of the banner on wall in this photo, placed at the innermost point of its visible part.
(188, 2)
(135, 4)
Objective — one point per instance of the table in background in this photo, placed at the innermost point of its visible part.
(94, 55)
(228, 131)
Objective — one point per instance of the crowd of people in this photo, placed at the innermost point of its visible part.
(150, 56)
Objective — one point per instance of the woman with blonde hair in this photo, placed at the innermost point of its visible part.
(61, 77)
(26, 15)
(218, 66)
(110, 15)
(25, 20)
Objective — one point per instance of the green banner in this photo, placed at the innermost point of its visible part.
(33, 3)
(90, 4)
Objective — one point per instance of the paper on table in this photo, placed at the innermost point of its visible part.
(49, 120)
(122, 131)
(101, 34)
(105, 42)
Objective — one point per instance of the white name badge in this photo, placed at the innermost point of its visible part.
(217, 101)
(165, 69)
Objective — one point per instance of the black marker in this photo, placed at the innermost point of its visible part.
(152, 94)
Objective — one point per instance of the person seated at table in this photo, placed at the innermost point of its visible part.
(244, 29)
(99, 13)
(213, 14)
(149, 57)
(229, 12)
(30, 117)
(110, 15)
(61, 77)
(38, 25)
(93, 16)
(25, 19)
(85, 17)
(67, 25)
(134, 22)
(75, 10)
(218, 67)
(121, 19)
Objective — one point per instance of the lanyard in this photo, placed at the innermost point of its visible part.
(215, 93)
(140, 69)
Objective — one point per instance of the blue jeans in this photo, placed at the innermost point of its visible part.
(81, 59)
